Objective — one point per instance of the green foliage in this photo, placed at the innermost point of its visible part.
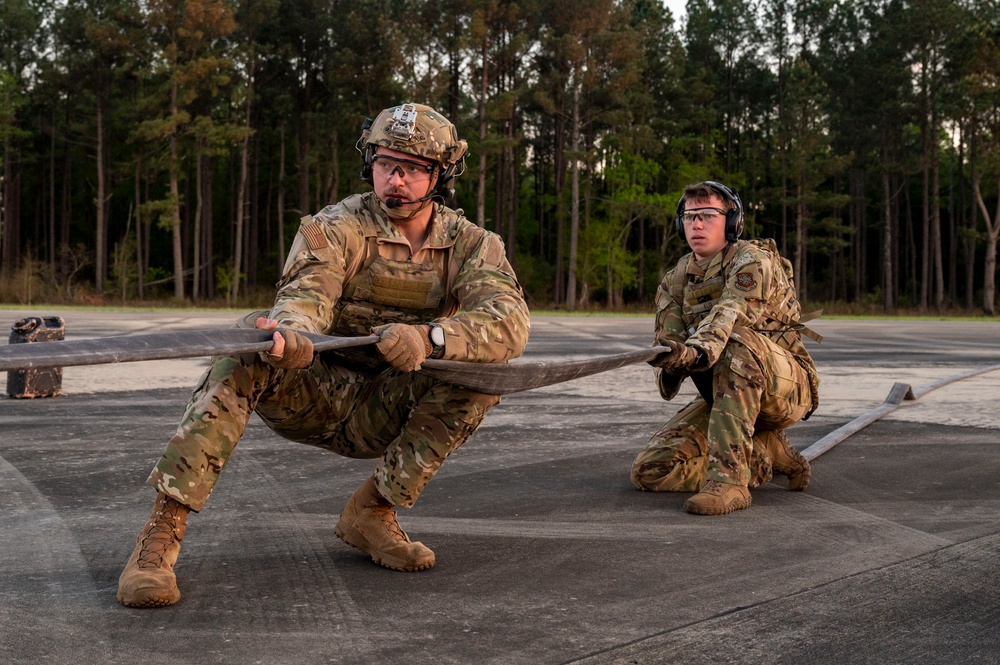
(12, 98)
(21, 35)
(607, 265)
(31, 283)
(124, 270)
(159, 211)
(536, 278)
(224, 277)
(807, 108)
(156, 275)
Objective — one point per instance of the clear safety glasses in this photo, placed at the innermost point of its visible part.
(407, 168)
(701, 215)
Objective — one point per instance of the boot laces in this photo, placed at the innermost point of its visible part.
(388, 517)
(160, 535)
(786, 460)
(714, 487)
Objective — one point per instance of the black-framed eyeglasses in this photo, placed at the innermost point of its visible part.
(408, 168)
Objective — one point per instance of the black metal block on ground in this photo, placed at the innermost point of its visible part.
(45, 382)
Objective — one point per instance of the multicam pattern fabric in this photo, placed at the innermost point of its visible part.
(417, 130)
(756, 386)
(349, 268)
(409, 421)
(737, 308)
(748, 284)
(481, 307)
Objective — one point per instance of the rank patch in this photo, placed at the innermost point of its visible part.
(745, 281)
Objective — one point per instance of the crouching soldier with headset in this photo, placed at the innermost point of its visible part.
(729, 314)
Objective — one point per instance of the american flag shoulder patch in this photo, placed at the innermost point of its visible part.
(314, 236)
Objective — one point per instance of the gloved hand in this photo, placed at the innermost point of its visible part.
(680, 360)
(403, 346)
(291, 350)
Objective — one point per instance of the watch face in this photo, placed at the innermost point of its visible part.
(437, 335)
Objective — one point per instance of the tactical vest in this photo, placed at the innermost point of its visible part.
(782, 314)
(782, 322)
(386, 291)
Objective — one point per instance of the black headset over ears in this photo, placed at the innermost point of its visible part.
(366, 163)
(734, 217)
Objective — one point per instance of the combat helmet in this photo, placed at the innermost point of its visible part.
(417, 130)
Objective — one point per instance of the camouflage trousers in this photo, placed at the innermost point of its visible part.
(756, 386)
(409, 421)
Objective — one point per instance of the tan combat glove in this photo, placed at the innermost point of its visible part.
(298, 353)
(680, 360)
(403, 346)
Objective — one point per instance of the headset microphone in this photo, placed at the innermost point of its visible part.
(394, 202)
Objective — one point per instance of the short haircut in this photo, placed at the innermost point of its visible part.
(704, 191)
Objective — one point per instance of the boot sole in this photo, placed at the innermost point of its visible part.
(717, 510)
(150, 601)
(356, 539)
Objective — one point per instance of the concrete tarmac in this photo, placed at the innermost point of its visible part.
(545, 552)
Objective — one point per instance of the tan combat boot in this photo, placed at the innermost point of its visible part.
(369, 523)
(785, 459)
(148, 579)
(717, 498)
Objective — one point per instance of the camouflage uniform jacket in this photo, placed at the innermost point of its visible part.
(746, 285)
(472, 290)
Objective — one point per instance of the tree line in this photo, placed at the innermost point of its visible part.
(168, 148)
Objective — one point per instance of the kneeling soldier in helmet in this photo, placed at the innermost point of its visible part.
(395, 262)
(729, 313)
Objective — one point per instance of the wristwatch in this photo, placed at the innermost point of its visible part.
(436, 335)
